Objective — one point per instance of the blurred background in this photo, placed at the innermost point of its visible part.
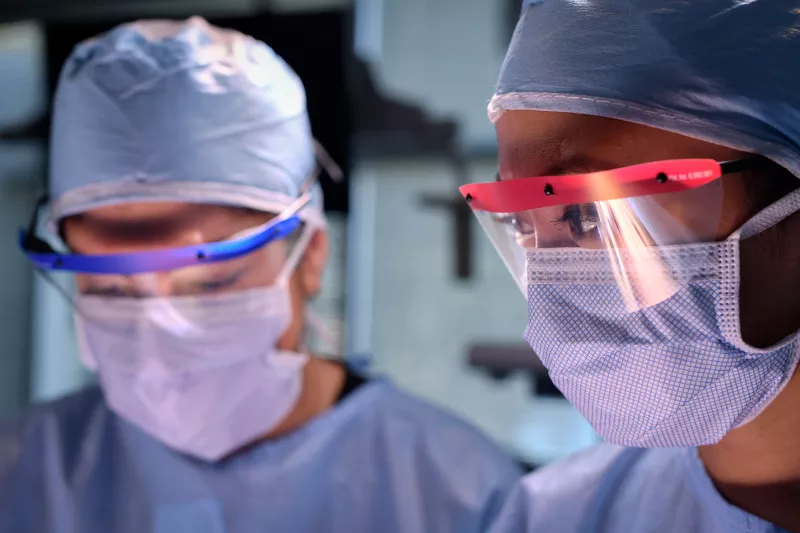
(397, 92)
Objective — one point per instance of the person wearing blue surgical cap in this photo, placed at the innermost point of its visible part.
(183, 198)
(648, 206)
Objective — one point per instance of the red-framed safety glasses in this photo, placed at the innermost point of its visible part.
(632, 213)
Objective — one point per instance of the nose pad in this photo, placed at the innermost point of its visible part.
(551, 235)
(151, 285)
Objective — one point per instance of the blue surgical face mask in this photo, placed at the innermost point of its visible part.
(675, 374)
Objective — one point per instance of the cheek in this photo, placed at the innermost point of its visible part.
(770, 262)
(737, 206)
(701, 215)
(263, 267)
(297, 292)
(82, 283)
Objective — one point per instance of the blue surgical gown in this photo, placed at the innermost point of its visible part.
(379, 462)
(610, 489)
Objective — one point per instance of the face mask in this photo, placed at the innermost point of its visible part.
(676, 374)
(199, 373)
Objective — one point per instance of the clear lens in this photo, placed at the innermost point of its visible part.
(220, 281)
(630, 233)
(242, 273)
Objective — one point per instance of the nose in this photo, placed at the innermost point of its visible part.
(152, 285)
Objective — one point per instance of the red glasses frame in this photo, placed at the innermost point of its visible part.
(646, 179)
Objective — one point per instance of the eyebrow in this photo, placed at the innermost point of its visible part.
(153, 230)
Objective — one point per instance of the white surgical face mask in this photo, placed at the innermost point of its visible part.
(200, 373)
(674, 374)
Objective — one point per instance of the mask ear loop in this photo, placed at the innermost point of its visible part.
(293, 260)
(768, 217)
(323, 331)
(84, 351)
(296, 255)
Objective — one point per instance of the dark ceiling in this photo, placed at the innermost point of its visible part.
(57, 9)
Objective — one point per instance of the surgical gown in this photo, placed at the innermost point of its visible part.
(380, 461)
(610, 489)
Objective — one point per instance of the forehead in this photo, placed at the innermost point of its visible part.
(537, 143)
(157, 224)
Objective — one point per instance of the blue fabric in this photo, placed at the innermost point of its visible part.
(673, 374)
(178, 111)
(610, 489)
(380, 461)
(719, 70)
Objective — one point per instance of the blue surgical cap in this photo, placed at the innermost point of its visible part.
(179, 111)
(724, 71)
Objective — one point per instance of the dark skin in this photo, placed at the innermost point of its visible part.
(756, 466)
(148, 226)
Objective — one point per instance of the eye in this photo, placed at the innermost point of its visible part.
(109, 292)
(517, 223)
(583, 222)
(217, 285)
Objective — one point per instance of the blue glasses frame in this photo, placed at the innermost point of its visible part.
(45, 257)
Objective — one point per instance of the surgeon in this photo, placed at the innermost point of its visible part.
(647, 206)
(183, 199)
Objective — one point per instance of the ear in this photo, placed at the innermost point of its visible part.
(312, 266)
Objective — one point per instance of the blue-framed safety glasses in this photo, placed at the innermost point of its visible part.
(45, 257)
(232, 264)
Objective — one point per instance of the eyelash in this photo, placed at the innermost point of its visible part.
(576, 218)
(574, 212)
(120, 291)
(221, 284)
(108, 292)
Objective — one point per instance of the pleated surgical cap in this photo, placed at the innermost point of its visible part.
(724, 71)
(179, 111)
